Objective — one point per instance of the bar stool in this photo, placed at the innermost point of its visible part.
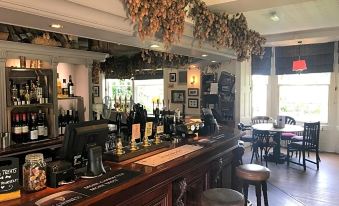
(222, 197)
(253, 174)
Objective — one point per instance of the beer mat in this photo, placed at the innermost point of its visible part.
(100, 184)
(169, 155)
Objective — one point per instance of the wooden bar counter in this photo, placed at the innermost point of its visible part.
(178, 181)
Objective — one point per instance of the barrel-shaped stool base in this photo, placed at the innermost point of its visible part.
(222, 197)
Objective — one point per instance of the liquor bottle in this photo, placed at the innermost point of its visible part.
(64, 87)
(39, 94)
(14, 93)
(59, 87)
(70, 87)
(33, 92)
(45, 126)
(25, 128)
(76, 117)
(17, 129)
(33, 127)
(64, 122)
(27, 97)
(41, 126)
(70, 118)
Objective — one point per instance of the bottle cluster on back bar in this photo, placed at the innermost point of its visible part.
(28, 127)
(65, 118)
(65, 89)
(31, 92)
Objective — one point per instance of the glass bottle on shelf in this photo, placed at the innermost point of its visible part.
(25, 128)
(33, 92)
(41, 126)
(39, 95)
(33, 127)
(27, 96)
(60, 122)
(59, 86)
(14, 93)
(64, 88)
(45, 125)
(17, 129)
(70, 87)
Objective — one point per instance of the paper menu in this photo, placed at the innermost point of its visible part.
(160, 129)
(135, 131)
(148, 130)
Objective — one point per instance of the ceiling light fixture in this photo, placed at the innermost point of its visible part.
(213, 61)
(154, 46)
(300, 64)
(204, 55)
(56, 26)
(274, 16)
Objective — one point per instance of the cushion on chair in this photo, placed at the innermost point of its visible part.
(247, 138)
(297, 138)
(253, 172)
(222, 197)
(287, 135)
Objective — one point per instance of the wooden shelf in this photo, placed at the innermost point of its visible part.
(66, 98)
(30, 105)
(29, 147)
(26, 69)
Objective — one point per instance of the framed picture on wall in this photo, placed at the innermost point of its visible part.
(172, 77)
(193, 103)
(96, 92)
(182, 77)
(193, 92)
(178, 96)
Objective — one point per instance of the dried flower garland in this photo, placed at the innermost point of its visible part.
(166, 18)
(147, 61)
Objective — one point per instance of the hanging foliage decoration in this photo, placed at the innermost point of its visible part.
(166, 19)
(144, 62)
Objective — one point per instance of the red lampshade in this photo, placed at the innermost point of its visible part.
(299, 65)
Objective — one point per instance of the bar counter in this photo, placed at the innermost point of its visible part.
(178, 181)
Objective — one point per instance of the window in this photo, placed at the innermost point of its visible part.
(304, 96)
(259, 95)
(147, 91)
(143, 91)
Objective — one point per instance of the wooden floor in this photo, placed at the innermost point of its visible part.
(291, 186)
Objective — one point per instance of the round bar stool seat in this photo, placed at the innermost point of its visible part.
(253, 174)
(222, 197)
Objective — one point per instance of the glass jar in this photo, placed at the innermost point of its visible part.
(34, 172)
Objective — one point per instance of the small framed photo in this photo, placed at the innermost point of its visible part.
(178, 96)
(193, 103)
(172, 77)
(96, 92)
(193, 92)
(226, 88)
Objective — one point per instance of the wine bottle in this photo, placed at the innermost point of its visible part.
(60, 120)
(33, 127)
(27, 97)
(76, 117)
(70, 87)
(64, 122)
(25, 128)
(39, 94)
(64, 87)
(45, 125)
(59, 87)
(70, 118)
(40, 125)
(17, 129)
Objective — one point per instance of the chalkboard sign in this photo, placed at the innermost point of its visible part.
(9, 178)
(9, 175)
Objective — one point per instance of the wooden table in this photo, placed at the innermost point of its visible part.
(277, 156)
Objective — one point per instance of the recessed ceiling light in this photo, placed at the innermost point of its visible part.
(213, 61)
(274, 16)
(204, 55)
(56, 26)
(154, 46)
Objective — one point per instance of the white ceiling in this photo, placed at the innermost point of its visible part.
(308, 20)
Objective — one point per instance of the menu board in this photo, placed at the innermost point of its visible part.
(148, 129)
(9, 175)
(135, 131)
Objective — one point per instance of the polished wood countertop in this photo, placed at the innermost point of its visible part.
(225, 141)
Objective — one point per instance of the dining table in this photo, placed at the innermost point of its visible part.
(277, 156)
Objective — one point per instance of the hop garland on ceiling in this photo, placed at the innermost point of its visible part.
(166, 19)
(144, 62)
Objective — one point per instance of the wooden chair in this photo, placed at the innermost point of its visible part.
(262, 141)
(309, 143)
(287, 136)
(260, 119)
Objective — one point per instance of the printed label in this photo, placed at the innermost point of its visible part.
(34, 134)
(41, 130)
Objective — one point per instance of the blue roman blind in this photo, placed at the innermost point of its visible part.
(261, 65)
(319, 58)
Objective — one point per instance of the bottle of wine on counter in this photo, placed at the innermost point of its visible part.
(33, 127)
(59, 86)
(45, 125)
(70, 87)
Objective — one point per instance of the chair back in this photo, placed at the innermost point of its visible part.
(290, 120)
(262, 138)
(260, 119)
(243, 127)
(311, 135)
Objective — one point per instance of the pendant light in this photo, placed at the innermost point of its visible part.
(300, 64)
